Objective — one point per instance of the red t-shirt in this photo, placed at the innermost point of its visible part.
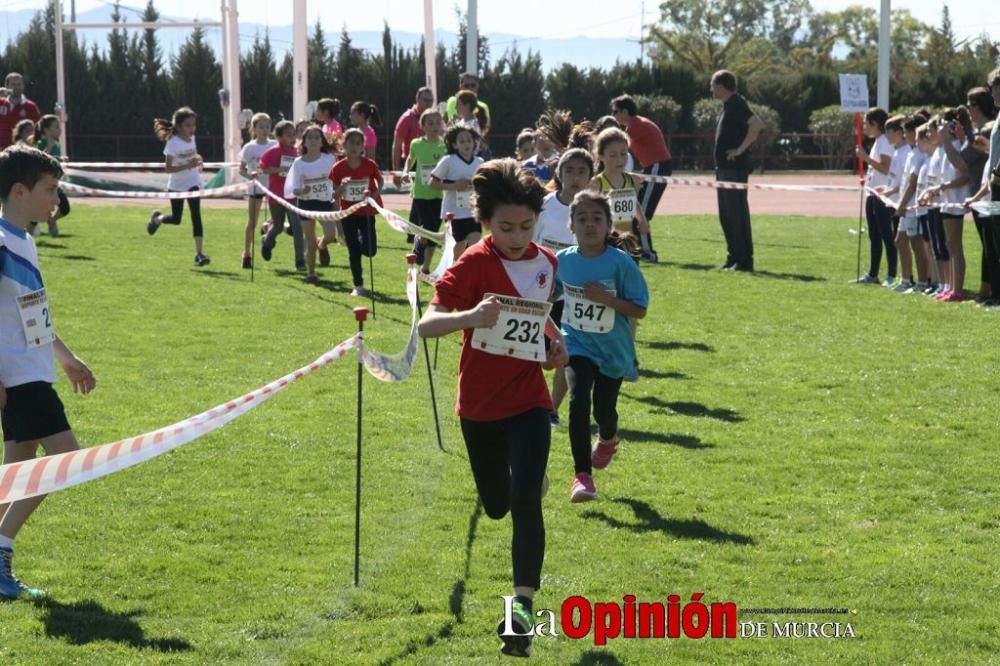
(272, 158)
(369, 171)
(646, 141)
(492, 387)
(11, 115)
(408, 129)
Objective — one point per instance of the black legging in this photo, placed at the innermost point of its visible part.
(879, 234)
(63, 203)
(359, 234)
(583, 378)
(508, 459)
(177, 213)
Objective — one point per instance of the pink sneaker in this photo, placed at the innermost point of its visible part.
(943, 296)
(603, 452)
(583, 489)
(953, 297)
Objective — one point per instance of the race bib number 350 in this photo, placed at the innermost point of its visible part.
(585, 315)
(355, 190)
(519, 332)
(36, 319)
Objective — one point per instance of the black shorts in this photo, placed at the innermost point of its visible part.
(460, 229)
(555, 314)
(33, 412)
(256, 196)
(426, 213)
(924, 227)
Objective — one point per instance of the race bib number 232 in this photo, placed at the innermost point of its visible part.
(519, 331)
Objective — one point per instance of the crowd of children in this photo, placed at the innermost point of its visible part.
(925, 173)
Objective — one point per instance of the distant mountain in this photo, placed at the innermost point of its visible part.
(582, 51)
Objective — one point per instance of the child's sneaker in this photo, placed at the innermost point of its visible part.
(287, 227)
(312, 279)
(890, 282)
(154, 222)
(651, 257)
(266, 248)
(603, 452)
(942, 295)
(10, 586)
(904, 287)
(865, 279)
(582, 489)
(264, 228)
(247, 261)
(324, 254)
(518, 642)
(359, 291)
(201, 260)
(554, 419)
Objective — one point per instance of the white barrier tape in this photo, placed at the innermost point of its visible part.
(139, 165)
(197, 194)
(396, 367)
(986, 207)
(889, 203)
(331, 216)
(40, 476)
(726, 185)
(403, 225)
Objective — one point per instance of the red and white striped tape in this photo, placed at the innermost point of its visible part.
(139, 165)
(238, 188)
(331, 216)
(726, 185)
(40, 476)
(403, 225)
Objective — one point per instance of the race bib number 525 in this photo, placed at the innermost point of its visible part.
(519, 331)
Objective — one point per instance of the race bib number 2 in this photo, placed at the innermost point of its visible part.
(519, 331)
(36, 319)
(585, 315)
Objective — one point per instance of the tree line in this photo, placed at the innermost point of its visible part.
(786, 55)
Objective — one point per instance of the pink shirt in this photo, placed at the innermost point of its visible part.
(334, 128)
(371, 141)
(408, 129)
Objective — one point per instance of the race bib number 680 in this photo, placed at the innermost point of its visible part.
(519, 331)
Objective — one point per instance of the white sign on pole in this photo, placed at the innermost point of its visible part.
(854, 93)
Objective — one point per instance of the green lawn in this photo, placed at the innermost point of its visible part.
(793, 442)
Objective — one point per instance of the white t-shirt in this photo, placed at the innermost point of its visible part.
(915, 164)
(898, 165)
(952, 198)
(453, 168)
(183, 152)
(879, 148)
(315, 174)
(250, 155)
(19, 275)
(552, 228)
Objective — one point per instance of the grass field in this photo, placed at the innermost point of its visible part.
(792, 442)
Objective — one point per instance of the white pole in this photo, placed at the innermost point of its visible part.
(472, 37)
(300, 60)
(430, 57)
(60, 78)
(884, 32)
(235, 95)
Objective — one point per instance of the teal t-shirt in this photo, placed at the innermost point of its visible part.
(426, 155)
(613, 351)
(55, 150)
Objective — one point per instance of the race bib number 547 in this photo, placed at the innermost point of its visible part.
(584, 314)
(519, 331)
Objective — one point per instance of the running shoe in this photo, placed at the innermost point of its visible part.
(201, 260)
(943, 295)
(312, 279)
(651, 257)
(264, 228)
(154, 222)
(904, 287)
(300, 268)
(11, 587)
(247, 261)
(583, 489)
(890, 282)
(954, 297)
(287, 227)
(359, 291)
(265, 249)
(518, 642)
(603, 452)
(554, 419)
(865, 279)
(324, 254)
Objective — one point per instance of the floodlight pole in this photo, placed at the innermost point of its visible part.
(430, 55)
(884, 33)
(300, 60)
(61, 76)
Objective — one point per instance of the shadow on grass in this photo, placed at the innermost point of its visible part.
(86, 622)
(223, 275)
(44, 245)
(73, 257)
(649, 519)
(719, 241)
(456, 599)
(673, 438)
(674, 345)
(690, 266)
(598, 658)
(695, 409)
(656, 374)
(798, 277)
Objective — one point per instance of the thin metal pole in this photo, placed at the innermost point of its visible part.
(411, 259)
(360, 314)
